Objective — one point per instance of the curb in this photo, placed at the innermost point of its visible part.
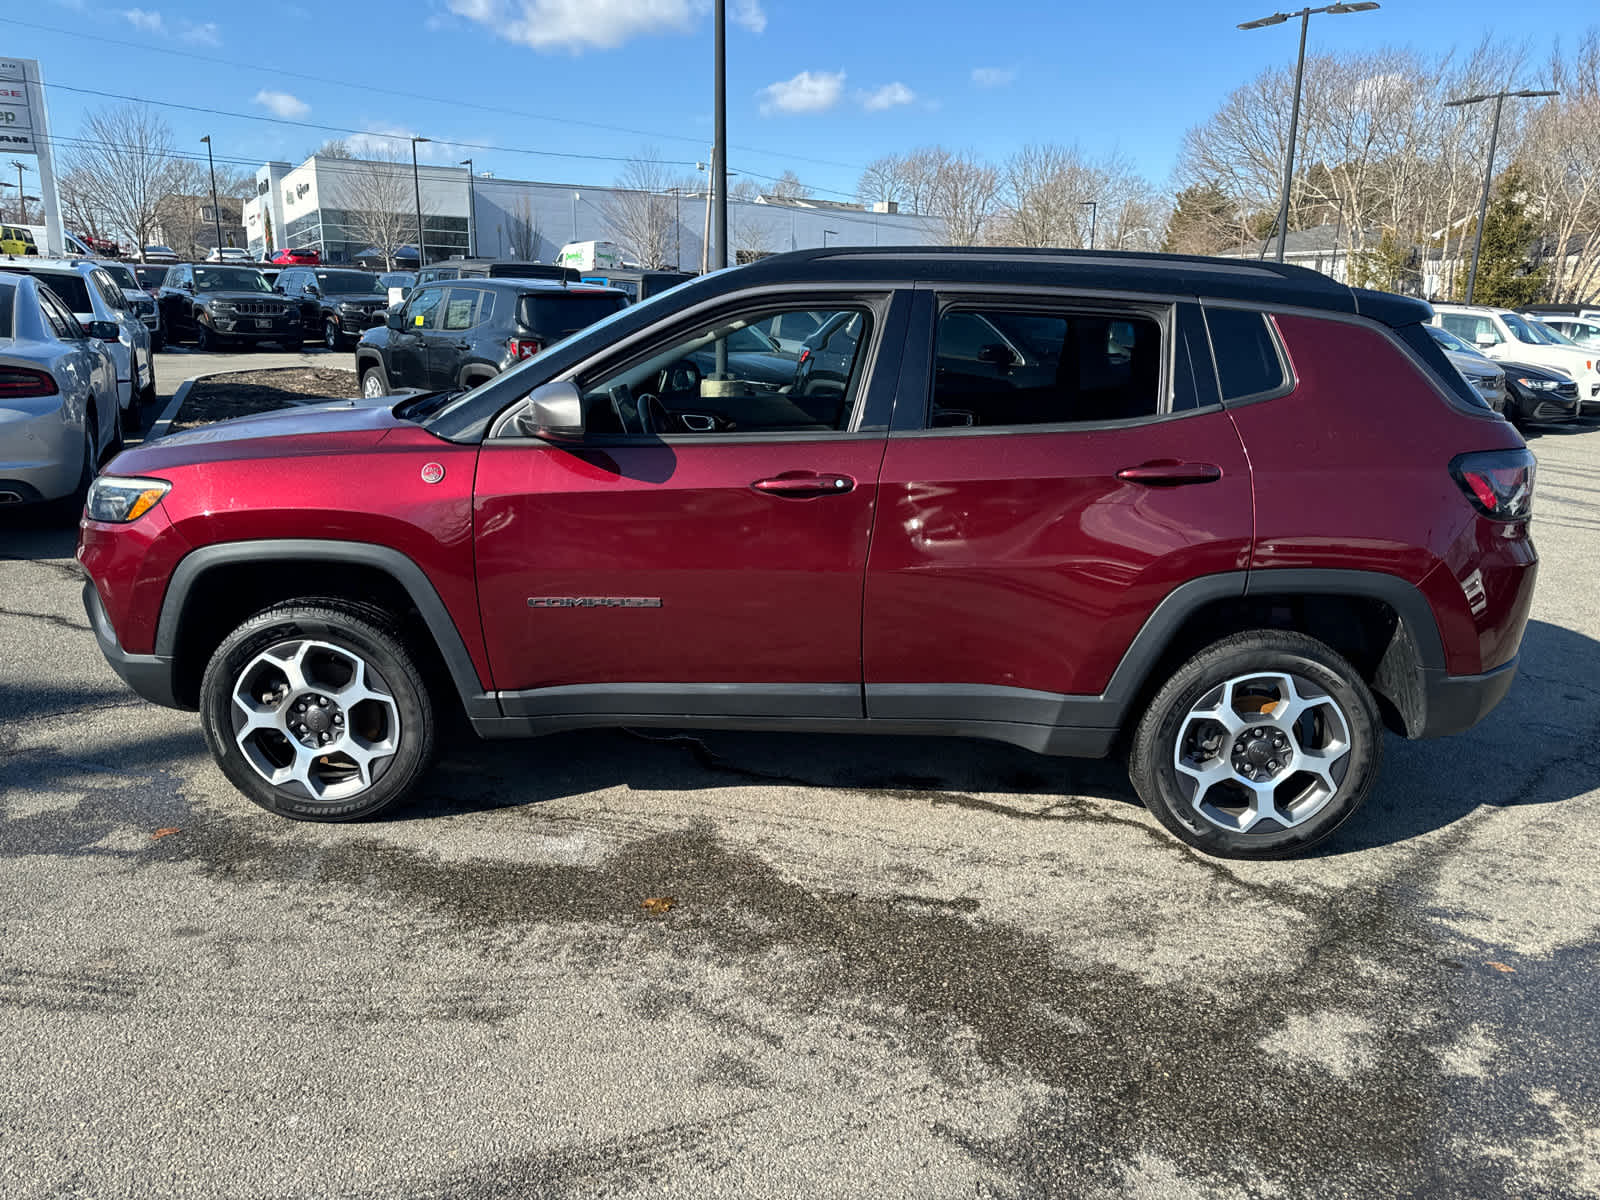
(163, 423)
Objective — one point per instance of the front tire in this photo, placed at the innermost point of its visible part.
(331, 337)
(205, 338)
(316, 711)
(1260, 746)
(374, 383)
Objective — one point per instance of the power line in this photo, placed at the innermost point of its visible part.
(397, 137)
(407, 94)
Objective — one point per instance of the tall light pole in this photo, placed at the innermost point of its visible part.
(1305, 15)
(1499, 99)
(416, 184)
(1094, 213)
(719, 155)
(216, 213)
(472, 212)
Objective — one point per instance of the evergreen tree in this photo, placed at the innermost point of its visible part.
(1507, 274)
(1203, 222)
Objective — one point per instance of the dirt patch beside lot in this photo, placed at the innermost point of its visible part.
(246, 393)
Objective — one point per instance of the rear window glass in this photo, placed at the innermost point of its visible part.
(72, 289)
(1247, 358)
(556, 314)
(1009, 367)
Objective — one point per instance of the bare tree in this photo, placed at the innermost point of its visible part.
(378, 196)
(642, 211)
(122, 168)
(1561, 166)
(334, 148)
(522, 230)
(961, 194)
(788, 187)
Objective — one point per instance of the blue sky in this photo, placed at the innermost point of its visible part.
(820, 86)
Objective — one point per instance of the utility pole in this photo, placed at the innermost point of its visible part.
(1499, 99)
(472, 212)
(216, 213)
(1094, 215)
(416, 184)
(22, 204)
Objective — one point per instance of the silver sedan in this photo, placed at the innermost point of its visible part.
(59, 416)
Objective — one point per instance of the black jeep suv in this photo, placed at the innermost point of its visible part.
(336, 305)
(216, 306)
(459, 333)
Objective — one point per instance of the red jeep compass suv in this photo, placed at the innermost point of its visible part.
(1230, 519)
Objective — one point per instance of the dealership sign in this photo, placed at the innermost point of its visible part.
(16, 121)
(25, 129)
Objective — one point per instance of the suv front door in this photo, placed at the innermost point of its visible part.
(715, 569)
(408, 365)
(1055, 469)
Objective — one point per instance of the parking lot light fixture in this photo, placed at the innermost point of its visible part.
(416, 186)
(1278, 18)
(1499, 99)
(472, 211)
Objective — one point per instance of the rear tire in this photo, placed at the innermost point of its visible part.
(316, 711)
(1260, 746)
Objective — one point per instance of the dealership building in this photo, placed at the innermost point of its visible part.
(315, 205)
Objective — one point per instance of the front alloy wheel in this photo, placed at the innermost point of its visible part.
(1259, 746)
(317, 711)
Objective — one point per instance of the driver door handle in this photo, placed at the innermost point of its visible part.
(805, 485)
(1169, 472)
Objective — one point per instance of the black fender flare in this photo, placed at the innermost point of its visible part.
(400, 568)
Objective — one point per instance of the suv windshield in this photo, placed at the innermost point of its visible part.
(349, 283)
(121, 275)
(1523, 331)
(229, 279)
(150, 277)
(1451, 342)
(1550, 337)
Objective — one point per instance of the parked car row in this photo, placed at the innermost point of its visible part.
(1546, 376)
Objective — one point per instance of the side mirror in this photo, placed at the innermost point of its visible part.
(186, 286)
(395, 319)
(997, 354)
(313, 290)
(554, 413)
(105, 331)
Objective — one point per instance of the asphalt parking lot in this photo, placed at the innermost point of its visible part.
(889, 968)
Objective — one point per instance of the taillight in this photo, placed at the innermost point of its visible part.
(523, 347)
(1499, 483)
(17, 383)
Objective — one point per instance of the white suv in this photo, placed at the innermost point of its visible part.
(1503, 335)
(1581, 331)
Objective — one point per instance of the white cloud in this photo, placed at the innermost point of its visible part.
(283, 104)
(807, 92)
(748, 14)
(149, 22)
(578, 25)
(890, 95)
(204, 34)
(993, 77)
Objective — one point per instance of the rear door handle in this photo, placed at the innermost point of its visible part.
(462, 346)
(804, 485)
(1169, 472)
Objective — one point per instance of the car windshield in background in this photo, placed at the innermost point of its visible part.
(349, 283)
(229, 279)
(150, 277)
(557, 314)
(400, 279)
(1451, 342)
(123, 277)
(1523, 331)
(1550, 337)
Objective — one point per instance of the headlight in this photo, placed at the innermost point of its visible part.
(1543, 385)
(120, 499)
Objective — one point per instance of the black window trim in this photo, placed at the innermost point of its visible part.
(884, 351)
(1162, 309)
(1290, 380)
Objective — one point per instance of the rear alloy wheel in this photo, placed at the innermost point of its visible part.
(373, 383)
(1258, 747)
(317, 711)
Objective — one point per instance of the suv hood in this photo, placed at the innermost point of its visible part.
(337, 426)
(234, 297)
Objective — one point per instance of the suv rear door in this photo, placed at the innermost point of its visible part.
(447, 343)
(716, 572)
(1057, 466)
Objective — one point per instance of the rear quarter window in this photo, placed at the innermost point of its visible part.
(1247, 357)
(1417, 338)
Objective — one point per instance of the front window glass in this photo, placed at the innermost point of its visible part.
(422, 308)
(756, 390)
(229, 279)
(349, 283)
(1003, 367)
